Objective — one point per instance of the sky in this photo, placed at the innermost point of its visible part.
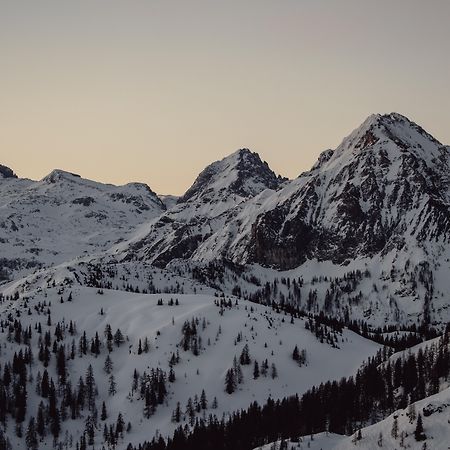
(155, 90)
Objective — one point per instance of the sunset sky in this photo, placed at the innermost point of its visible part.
(154, 90)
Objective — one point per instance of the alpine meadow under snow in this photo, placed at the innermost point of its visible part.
(251, 312)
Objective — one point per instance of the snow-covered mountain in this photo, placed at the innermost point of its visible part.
(64, 216)
(378, 204)
(242, 289)
(218, 193)
(385, 187)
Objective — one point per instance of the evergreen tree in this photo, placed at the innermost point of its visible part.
(230, 384)
(118, 338)
(244, 359)
(255, 370)
(112, 390)
(108, 367)
(296, 354)
(203, 400)
(31, 435)
(273, 371)
(40, 420)
(104, 414)
(419, 434)
(394, 429)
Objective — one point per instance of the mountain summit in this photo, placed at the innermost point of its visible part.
(385, 186)
(220, 191)
(243, 173)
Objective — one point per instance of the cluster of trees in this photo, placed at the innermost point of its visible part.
(299, 356)
(191, 339)
(379, 388)
(234, 375)
(59, 399)
(107, 277)
(323, 332)
(152, 388)
(194, 406)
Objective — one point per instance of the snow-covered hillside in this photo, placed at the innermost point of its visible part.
(378, 204)
(186, 311)
(64, 216)
(435, 413)
(157, 321)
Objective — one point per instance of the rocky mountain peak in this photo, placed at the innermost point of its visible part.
(6, 172)
(57, 175)
(242, 173)
(392, 133)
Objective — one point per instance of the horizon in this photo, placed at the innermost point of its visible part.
(74, 172)
(144, 90)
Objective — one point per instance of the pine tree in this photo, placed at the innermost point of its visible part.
(31, 435)
(146, 345)
(40, 421)
(244, 359)
(118, 338)
(255, 370)
(120, 424)
(412, 412)
(273, 371)
(419, 434)
(104, 414)
(203, 400)
(108, 367)
(230, 384)
(112, 390)
(61, 365)
(394, 429)
(176, 415)
(90, 387)
(296, 354)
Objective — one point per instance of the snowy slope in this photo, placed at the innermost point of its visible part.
(268, 335)
(379, 203)
(435, 412)
(64, 216)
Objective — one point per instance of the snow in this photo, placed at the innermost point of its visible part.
(56, 230)
(436, 428)
(138, 316)
(65, 216)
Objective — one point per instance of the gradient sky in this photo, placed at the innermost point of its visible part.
(154, 90)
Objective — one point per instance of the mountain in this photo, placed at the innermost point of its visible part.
(64, 216)
(227, 317)
(217, 194)
(366, 230)
(241, 175)
(385, 187)
(378, 204)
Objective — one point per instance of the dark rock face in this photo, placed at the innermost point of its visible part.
(85, 201)
(6, 172)
(383, 183)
